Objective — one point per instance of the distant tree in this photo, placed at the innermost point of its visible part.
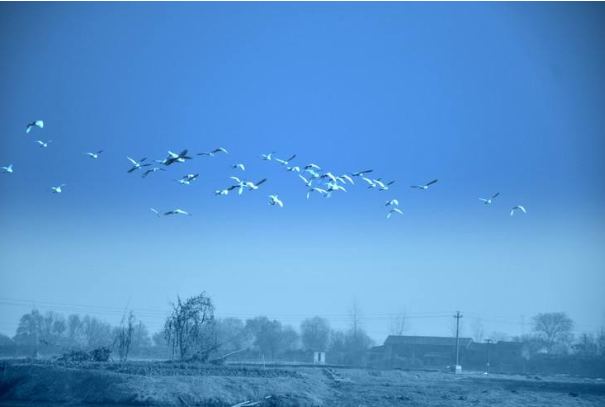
(315, 333)
(29, 329)
(189, 329)
(498, 336)
(96, 333)
(399, 323)
(123, 336)
(478, 330)
(140, 338)
(554, 328)
(6, 342)
(231, 335)
(290, 340)
(586, 346)
(267, 335)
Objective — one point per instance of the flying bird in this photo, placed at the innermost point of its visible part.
(346, 177)
(136, 165)
(274, 200)
(156, 212)
(251, 185)
(37, 123)
(518, 207)
(8, 170)
(190, 177)
(177, 212)
(382, 185)
(94, 155)
(392, 202)
(42, 143)
(320, 191)
(297, 169)
(213, 152)
(238, 166)
(312, 167)
(268, 157)
(57, 190)
(149, 171)
(307, 182)
(392, 211)
(224, 191)
(489, 201)
(175, 158)
(425, 186)
(361, 173)
(285, 162)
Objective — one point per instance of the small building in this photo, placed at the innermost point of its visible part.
(319, 358)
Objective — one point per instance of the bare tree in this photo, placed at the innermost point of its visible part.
(478, 330)
(399, 323)
(315, 333)
(123, 338)
(189, 328)
(356, 318)
(554, 328)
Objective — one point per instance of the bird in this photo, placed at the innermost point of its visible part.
(425, 186)
(190, 177)
(489, 201)
(297, 169)
(361, 173)
(307, 182)
(328, 175)
(274, 200)
(136, 165)
(42, 143)
(518, 207)
(175, 158)
(393, 211)
(94, 155)
(238, 166)
(285, 162)
(320, 191)
(213, 152)
(177, 212)
(312, 167)
(333, 186)
(240, 184)
(268, 157)
(57, 190)
(313, 173)
(8, 170)
(156, 212)
(183, 181)
(224, 191)
(149, 171)
(371, 183)
(251, 185)
(382, 185)
(345, 176)
(392, 202)
(37, 123)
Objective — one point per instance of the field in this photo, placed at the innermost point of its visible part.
(180, 384)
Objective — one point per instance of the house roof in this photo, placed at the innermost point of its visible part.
(426, 341)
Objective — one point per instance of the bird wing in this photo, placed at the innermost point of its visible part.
(483, 200)
(495, 195)
(132, 161)
(431, 183)
(291, 158)
(261, 181)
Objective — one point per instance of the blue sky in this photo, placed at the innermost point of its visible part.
(487, 97)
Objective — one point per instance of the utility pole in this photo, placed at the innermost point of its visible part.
(457, 316)
(488, 341)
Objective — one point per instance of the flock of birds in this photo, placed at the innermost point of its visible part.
(316, 180)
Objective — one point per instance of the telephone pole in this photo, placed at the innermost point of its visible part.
(457, 316)
(488, 341)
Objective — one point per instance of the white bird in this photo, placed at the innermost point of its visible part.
(382, 185)
(371, 183)
(57, 190)
(425, 186)
(393, 211)
(307, 182)
(252, 186)
(313, 173)
(183, 181)
(213, 152)
(149, 171)
(268, 157)
(177, 212)
(297, 169)
(37, 123)
(285, 162)
(274, 200)
(190, 177)
(312, 167)
(136, 165)
(392, 202)
(333, 186)
(175, 158)
(328, 175)
(320, 191)
(224, 191)
(156, 212)
(43, 144)
(361, 173)
(518, 207)
(345, 176)
(94, 155)
(240, 184)
(8, 170)
(238, 166)
(489, 201)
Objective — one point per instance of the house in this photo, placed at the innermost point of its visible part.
(425, 351)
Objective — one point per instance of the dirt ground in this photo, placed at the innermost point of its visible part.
(183, 384)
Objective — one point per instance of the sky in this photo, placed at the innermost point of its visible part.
(485, 97)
